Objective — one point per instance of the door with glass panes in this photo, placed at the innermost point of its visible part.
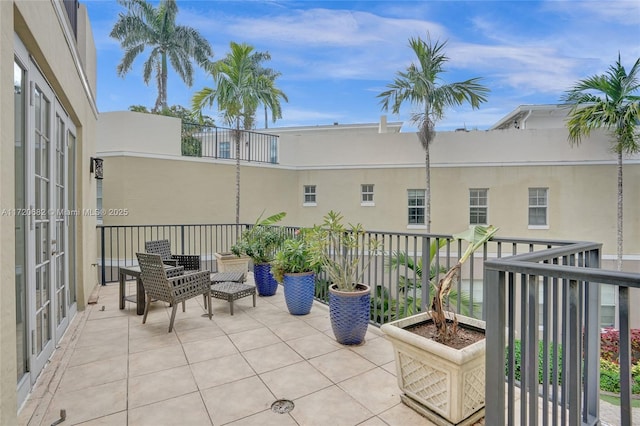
(48, 214)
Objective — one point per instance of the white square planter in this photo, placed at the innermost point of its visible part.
(445, 385)
(229, 262)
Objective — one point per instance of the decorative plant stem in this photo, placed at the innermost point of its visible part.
(476, 236)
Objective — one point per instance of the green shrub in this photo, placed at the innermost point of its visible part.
(610, 377)
(517, 352)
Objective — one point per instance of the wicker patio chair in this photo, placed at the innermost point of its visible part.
(190, 262)
(172, 290)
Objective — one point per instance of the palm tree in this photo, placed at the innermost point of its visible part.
(240, 88)
(144, 26)
(420, 84)
(609, 101)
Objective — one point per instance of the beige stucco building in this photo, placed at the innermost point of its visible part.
(47, 131)
(574, 186)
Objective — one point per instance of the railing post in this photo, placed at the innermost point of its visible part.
(575, 355)
(181, 239)
(103, 272)
(592, 344)
(494, 297)
(625, 356)
(425, 285)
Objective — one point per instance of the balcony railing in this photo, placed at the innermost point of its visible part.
(220, 143)
(539, 295)
(565, 281)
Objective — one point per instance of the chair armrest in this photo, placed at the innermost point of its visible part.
(191, 262)
(192, 282)
(175, 271)
(170, 262)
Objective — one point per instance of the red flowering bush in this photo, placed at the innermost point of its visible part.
(610, 345)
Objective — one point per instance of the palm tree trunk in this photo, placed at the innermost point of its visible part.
(427, 191)
(237, 138)
(620, 205)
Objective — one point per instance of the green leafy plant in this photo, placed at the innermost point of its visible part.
(476, 236)
(344, 251)
(294, 256)
(261, 241)
(410, 285)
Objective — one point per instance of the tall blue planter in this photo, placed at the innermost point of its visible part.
(299, 290)
(349, 313)
(265, 283)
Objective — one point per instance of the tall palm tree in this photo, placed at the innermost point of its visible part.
(239, 89)
(609, 101)
(421, 85)
(144, 26)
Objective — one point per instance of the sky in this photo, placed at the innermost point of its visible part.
(335, 57)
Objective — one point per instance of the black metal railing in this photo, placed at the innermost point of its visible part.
(220, 143)
(554, 377)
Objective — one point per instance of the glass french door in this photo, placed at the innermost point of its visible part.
(47, 280)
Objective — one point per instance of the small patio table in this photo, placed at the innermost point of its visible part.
(139, 298)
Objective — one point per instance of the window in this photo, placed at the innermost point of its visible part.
(416, 206)
(225, 150)
(273, 150)
(309, 195)
(478, 206)
(367, 195)
(607, 305)
(538, 207)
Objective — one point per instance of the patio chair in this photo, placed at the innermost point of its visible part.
(171, 290)
(190, 262)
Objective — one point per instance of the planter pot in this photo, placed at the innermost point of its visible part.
(445, 385)
(349, 313)
(299, 290)
(265, 283)
(229, 262)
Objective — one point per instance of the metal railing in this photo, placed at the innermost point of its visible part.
(220, 143)
(540, 300)
(557, 369)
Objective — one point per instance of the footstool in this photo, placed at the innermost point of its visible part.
(232, 290)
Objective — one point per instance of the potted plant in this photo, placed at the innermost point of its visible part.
(345, 252)
(439, 378)
(294, 267)
(260, 243)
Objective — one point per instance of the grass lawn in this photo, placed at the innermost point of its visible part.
(635, 403)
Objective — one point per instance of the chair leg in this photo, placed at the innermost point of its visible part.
(173, 316)
(254, 300)
(183, 307)
(231, 306)
(204, 296)
(146, 309)
(207, 297)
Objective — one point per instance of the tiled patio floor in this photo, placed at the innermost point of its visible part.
(110, 369)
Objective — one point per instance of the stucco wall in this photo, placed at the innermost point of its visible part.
(136, 132)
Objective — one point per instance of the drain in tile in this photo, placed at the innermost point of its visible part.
(282, 406)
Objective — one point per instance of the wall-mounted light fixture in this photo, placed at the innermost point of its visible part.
(96, 167)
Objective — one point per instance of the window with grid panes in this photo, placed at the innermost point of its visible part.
(309, 194)
(478, 206)
(416, 206)
(367, 193)
(538, 206)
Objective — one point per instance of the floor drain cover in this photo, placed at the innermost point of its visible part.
(282, 406)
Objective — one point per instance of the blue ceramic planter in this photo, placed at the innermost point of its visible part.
(299, 290)
(349, 313)
(265, 283)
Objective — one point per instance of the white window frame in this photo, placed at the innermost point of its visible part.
(222, 150)
(475, 194)
(545, 206)
(416, 225)
(366, 195)
(309, 191)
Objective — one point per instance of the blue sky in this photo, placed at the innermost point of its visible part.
(337, 56)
